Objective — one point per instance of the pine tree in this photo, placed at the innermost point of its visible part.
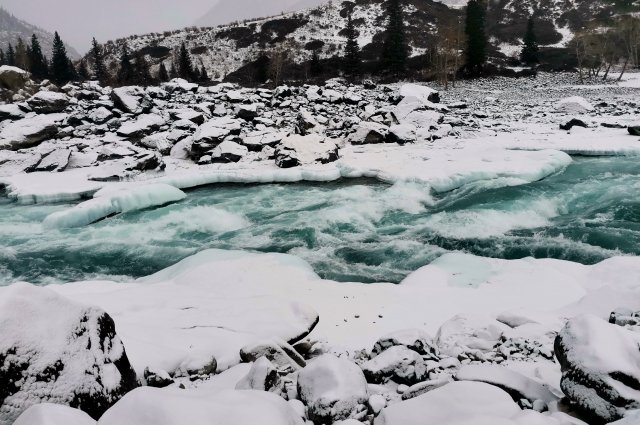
(100, 72)
(21, 56)
(163, 75)
(395, 49)
(11, 56)
(315, 66)
(172, 71)
(263, 64)
(83, 71)
(39, 69)
(185, 64)
(62, 71)
(142, 71)
(3, 59)
(352, 61)
(476, 36)
(529, 54)
(204, 76)
(125, 71)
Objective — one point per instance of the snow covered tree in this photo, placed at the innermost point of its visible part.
(476, 36)
(185, 64)
(125, 70)
(38, 62)
(395, 49)
(142, 72)
(352, 60)
(163, 75)
(22, 56)
(529, 53)
(62, 70)
(100, 72)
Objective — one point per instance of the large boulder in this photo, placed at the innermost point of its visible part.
(131, 99)
(333, 389)
(228, 151)
(297, 150)
(469, 333)
(634, 130)
(152, 406)
(398, 363)
(13, 78)
(574, 105)
(55, 350)
(423, 93)
(414, 339)
(281, 354)
(369, 133)
(11, 111)
(142, 125)
(263, 376)
(46, 102)
(28, 132)
(53, 414)
(600, 367)
(459, 403)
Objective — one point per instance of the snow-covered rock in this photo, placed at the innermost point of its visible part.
(11, 111)
(422, 93)
(228, 151)
(255, 141)
(281, 354)
(56, 350)
(143, 124)
(398, 363)
(600, 367)
(152, 406)
(415, 339)
(28, 131)
(333, 389)
(54, 161)
(132, 99)
(463, 333)
(46, 102)
(105, 204)
(574, 105)
(263, 376)
(369, 133)
(297, 150)
(53, 414)
(12, 78)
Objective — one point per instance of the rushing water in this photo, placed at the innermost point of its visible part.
(358, 230)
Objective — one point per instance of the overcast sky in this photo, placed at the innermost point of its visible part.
(78, 20)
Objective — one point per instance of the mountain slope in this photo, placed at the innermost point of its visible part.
(225, 49)
(226, 11)
(12, 28)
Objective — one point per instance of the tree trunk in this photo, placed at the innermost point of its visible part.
(624, 68)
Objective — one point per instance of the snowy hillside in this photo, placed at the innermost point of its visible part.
(225, 49)
(12, 28)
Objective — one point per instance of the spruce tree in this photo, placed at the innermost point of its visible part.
(100, 72)
(529, 54)
(395, 49)
(3, 59)
(185, 64)
(352, 61)
(62, 71)
(163, 75)
(204, 76)
(11, 56)
(83, 71)
(476, 36)
(263, 64)
(315, 66)
(21, 55)
(39, 69)
(142, 71)
(125, 71)
(172, 71)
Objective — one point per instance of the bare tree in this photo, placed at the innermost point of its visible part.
(448, 50)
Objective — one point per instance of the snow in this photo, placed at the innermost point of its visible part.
(114, 200)
(151, 406)
(216, 302)
(574, 105)
(29, 131)
(53, 414)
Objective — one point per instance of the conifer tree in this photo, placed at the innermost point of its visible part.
(476, 36)
(125, 70)
(172, 71)
(395, 49)
(142, 71)
(185, 64)
(100, 72)
(529, 54)
(204, 76)
(21, 56)
(62, 70)
(38, 62)
(83, 71)
(3, 59)
(315, 66)
(352, 61)
(11, 56)
(163, 75)
(263, 64)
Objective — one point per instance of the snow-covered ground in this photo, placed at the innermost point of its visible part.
(234, 335)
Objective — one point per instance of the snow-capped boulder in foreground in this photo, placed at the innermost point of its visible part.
(12, 78)
(414, 339)
(55, 350)
(600, 367)
(423, 93)
(574, 105)
(461, 403)
(53, 414)
(28, 132)
(152, 406)
(333, 389)
(297, 150)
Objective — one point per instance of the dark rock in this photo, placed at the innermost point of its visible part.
(46, 102)
(281, 354)
(574, 122)
(157, 379)
(634, 130)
